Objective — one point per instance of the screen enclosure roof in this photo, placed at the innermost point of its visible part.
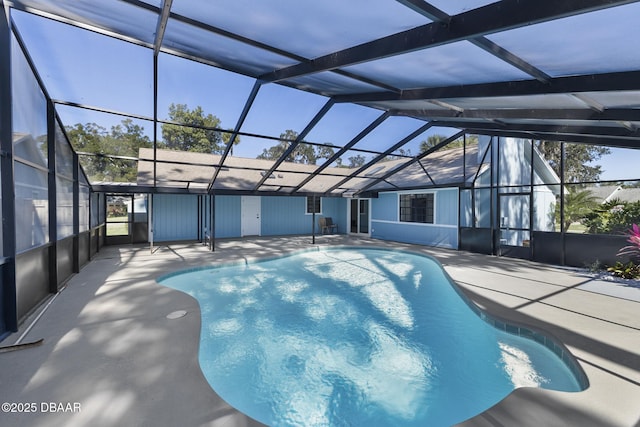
(359, 84)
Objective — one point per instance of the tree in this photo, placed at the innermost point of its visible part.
(613, 217)
(86, 137)
(200, 132)
(127, 138)
(303, 153)
(436, 139)
(576, 161)
(431, 142)
(578, 204)
(276, 151)
(124, 139)
(356, 161)
(324, 151)
(400, 154)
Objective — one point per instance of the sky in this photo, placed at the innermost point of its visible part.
(620, 164)
(93, 70)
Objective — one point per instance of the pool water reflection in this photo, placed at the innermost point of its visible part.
(357, 337)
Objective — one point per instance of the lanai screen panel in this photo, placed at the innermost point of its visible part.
(446, 65)
(333, 83)
(111, 16)
(79, 66)
(219, 92)
(305, 29)
(176, 169)
(105, 153)
(191, 41)
(534, 69)
(388, 134)
(459, 6)
(342, 123)
(617, 99)
(554, 101)
(596, 42)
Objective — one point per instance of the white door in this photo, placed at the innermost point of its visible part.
(250, 222)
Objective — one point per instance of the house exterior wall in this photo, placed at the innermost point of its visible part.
(544, 207)
(385, 208)
(386, 224)
(227, 218)
(466, 219)
(284, 215)
(287, 215)
(514, 215)
(336, 208)
(175, 216)
(512, 173)
(447, 207)
(514, 160)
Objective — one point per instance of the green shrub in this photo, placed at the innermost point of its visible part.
(629, 270)
(613, 217)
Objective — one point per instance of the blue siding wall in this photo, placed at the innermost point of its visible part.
(419, 234)
(175, 217)
(228, 216)
(444, 233)
(336, 208)
(287, 215)
(447, 206)
(385, 207)
(284, 215)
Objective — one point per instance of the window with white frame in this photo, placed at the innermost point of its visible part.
(418, 207)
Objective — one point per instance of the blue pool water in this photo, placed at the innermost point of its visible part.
(351, 337)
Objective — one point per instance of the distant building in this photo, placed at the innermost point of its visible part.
(607, 193)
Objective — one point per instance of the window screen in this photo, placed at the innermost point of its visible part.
(314, 205)
(416, 208)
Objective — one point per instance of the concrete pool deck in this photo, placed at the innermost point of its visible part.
(110, 351)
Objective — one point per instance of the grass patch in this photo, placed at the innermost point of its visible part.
(118, 226)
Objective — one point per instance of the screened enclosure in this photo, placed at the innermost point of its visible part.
(110, 110)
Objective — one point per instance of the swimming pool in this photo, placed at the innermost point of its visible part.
(360, 337)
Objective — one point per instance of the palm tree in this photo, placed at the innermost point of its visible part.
(577, 204)
(431, 142)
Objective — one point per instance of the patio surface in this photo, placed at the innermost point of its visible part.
(110, 350)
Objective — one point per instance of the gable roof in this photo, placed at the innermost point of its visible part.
(192, 171)
(606, 193)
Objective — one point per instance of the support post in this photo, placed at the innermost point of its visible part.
(76, 213)
(90, 213)
(562, 230)
(155, 118)
(150, 219)
(199, 220)
(464, 185)
(9, 314)
(531, 200)
(313, 221)
(494, 200)
(52, 198)
(212, 213)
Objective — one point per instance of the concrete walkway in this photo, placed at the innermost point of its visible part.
(111, 357)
